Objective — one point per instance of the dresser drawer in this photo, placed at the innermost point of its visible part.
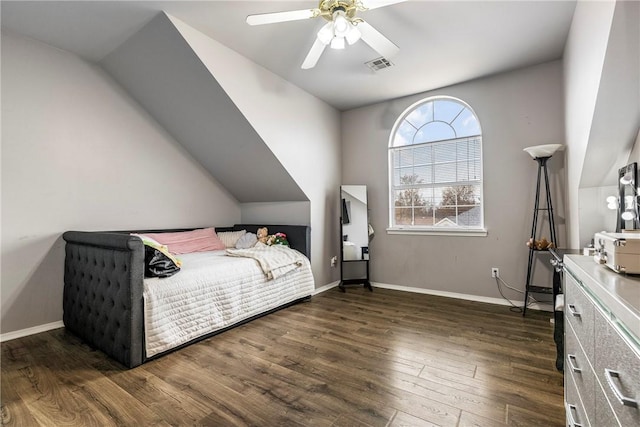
(576, 416)
(604, 415)
(578, 368)
(579, 312)
(617, 369)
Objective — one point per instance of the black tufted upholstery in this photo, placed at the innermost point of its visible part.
(298, 236)
(103, 286)
(102, 298)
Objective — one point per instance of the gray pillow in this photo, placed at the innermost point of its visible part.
(247, 240)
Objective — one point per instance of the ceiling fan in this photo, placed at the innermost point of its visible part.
(343, 26)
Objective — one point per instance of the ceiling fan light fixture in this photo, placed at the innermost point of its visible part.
(353, 35)
(341, 24)
(325, 35)
(337, 43)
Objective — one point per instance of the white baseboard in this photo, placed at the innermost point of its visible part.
(325, 287)
(31, 331)
(499, 301)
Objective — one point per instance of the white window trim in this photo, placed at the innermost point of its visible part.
(430, 230)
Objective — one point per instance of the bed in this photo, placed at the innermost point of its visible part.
(111, 306)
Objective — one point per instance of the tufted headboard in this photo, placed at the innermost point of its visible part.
(299, 236)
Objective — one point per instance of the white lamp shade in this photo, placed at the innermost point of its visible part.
(341, 25)
(353, 35)
(326, 33)
(337, 43)
(546, 150)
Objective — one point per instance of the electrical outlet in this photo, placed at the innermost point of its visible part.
(334, 261)
(495, 272)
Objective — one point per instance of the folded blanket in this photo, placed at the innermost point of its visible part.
(275, 261)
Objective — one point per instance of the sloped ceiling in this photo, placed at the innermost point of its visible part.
(160, 70)
(442, 42)
(616, 118)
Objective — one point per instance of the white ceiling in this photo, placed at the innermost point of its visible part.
(441, 42)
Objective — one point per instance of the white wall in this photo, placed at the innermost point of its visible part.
(582, 66)
(602, 69)
(516, 110)
(78, 153)
(301, 130)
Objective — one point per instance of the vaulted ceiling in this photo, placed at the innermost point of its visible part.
(441, 42)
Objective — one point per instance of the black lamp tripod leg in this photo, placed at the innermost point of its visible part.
(533, 236)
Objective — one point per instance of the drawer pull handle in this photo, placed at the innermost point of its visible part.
(572, 421)
(626, 401)
(571, 358)
(572, 311)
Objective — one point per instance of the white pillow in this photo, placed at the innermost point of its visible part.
(230, 238)
(247, 241)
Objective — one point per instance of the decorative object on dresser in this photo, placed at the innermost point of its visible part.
(602, 347)
(628, 202)
(109, 303)
(618, 251)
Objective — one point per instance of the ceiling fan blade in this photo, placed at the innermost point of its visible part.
(374, 4)
(377, 41)
(314, 54)
(272, 18)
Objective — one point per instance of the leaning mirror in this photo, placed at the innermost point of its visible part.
(354, 231)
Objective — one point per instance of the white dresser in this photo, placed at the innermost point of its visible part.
(602, 345)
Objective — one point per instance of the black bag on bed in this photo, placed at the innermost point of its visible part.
(157, 264)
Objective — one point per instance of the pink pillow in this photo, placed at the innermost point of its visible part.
(184, 242)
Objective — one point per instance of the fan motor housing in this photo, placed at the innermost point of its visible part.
(328, 7)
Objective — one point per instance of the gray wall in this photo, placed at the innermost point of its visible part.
(79, 153)
(516, 110)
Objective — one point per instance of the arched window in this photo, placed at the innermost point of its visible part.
(435, 168)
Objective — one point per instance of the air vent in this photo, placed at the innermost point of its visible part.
(379, 64)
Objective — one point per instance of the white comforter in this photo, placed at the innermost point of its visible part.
(211, 292)
(275, 261)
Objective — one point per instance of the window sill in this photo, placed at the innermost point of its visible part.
(437, 232)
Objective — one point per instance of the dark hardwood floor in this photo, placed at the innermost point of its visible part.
(385, 358)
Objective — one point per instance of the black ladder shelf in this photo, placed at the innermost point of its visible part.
(529, 288)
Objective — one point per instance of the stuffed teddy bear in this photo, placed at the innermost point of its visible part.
(263, 235)
(540, 245)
